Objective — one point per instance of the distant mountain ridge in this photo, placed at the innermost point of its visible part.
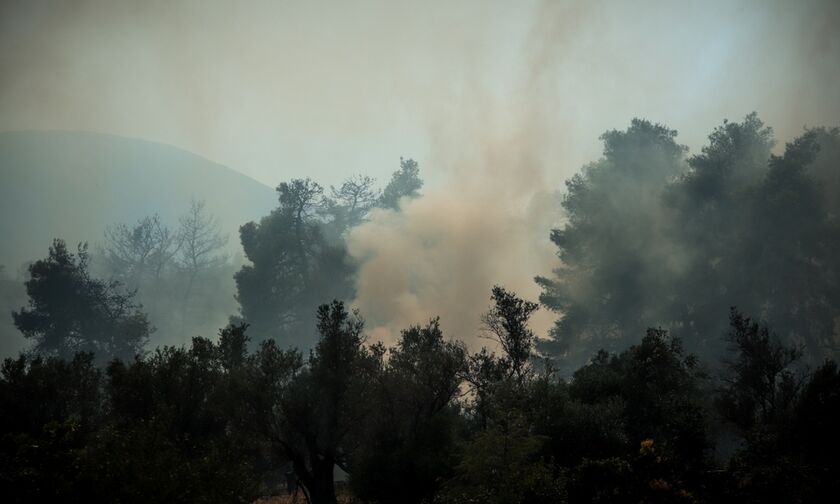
(61, 184)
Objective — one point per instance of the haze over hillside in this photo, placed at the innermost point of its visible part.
(72, 184)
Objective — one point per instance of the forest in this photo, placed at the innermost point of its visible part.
(693, 357)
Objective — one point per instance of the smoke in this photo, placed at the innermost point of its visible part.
(499, 102)
(488, 223)
(441, 254)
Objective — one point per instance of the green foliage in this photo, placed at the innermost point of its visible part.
(783, 418)
(167, 428)
(761, 387)
(314, 410)
(69, 311)
(420, 422)
(293, 267)
(653, 239)
(612, 248)
(507, 323)
(503, 465)
(408, 447)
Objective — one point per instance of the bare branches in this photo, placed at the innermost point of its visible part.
(132, 252)
(200, 239)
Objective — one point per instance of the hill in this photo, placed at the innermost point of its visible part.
(72, 184)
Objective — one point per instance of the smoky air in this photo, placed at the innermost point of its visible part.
(439, 252)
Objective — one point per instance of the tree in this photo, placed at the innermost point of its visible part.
(12, 295)
(405, 182)
(761, 387)
(134, 253)
(200, 244)
(759, 234)
(292, 267)
(50, 408)
(507, 322)
(502, 465)
(781, 416)
(69, 311)
(200, 240)
(408, 447)
(656, 240)
(348, 205)
(614, 255)
(179, 426)
(316, 408)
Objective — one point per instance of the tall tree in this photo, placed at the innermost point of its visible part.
(409, 446)
(316, 408)
(200, 240)
(69, 311)
(652, 241)
(507, 323)
(200, 249)
(293, 267)
(613, 247)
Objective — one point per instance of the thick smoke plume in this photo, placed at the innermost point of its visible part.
(441, 251)
(489, 221)
(441, 254)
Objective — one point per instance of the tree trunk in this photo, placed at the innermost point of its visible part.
(318, 482)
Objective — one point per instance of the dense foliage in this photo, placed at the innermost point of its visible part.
(655, 239)
(424, 421)
(70, 311)
(645, 392)
(298, 256)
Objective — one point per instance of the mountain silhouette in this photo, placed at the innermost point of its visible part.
(71, 185)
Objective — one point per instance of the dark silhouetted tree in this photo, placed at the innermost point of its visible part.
(316, 408)
(405, 182)
(69, 311)
(293, 268)
(507, 324)
(615, 257)
(652, 241)
(408, 446)
(348, 205)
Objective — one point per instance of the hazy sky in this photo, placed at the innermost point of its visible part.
(289, 88)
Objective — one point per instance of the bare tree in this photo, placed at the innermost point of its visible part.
(348, 205)
(200, 240)
(200, 247)
(357, 196)
(135, 252)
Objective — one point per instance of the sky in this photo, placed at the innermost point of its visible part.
(278, 89)
(499, 102)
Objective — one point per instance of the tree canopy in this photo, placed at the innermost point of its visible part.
(69, 311)
(655, 239)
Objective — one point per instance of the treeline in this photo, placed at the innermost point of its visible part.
(297, 254)
(423, 421)
(606, 410)
(654, 237)
(184, 280)
(180, 274)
